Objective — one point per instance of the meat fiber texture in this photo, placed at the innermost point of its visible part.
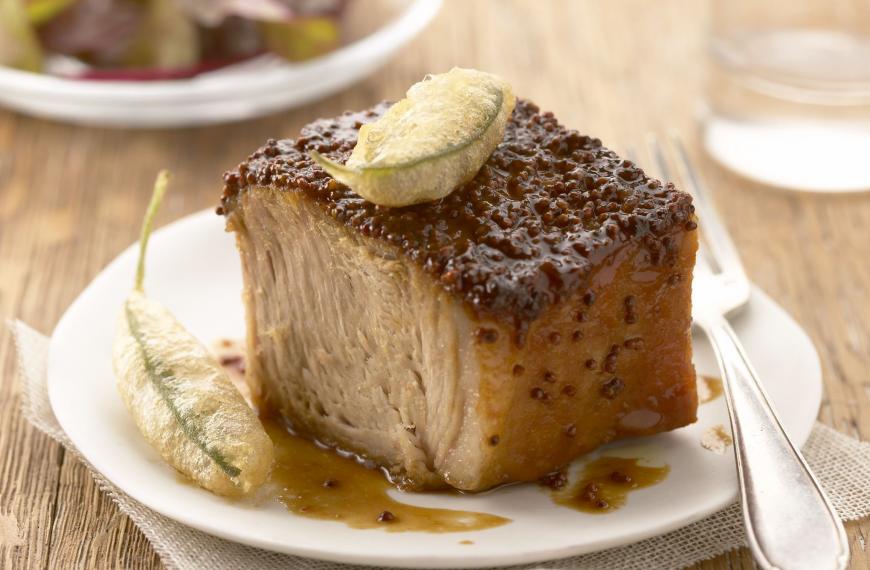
(354, 344)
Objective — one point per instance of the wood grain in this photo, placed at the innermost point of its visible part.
(71, 198)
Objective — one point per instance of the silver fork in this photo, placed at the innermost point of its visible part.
(790, 522)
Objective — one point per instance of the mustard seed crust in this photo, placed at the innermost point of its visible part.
(547, 208)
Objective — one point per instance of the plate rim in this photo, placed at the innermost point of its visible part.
(422, 561)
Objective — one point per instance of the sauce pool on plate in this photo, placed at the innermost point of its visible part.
(604, 484)
(317, 482)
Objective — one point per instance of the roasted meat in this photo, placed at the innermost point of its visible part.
(537, 312)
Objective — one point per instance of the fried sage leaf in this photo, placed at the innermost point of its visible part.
(430, 142)
(179, 396)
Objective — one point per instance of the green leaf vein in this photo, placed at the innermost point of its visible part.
(160, 377)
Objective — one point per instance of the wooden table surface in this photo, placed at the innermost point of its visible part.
(71, 199)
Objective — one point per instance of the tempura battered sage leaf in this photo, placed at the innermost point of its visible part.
(429, 143)
(162, 379)
(181, 399)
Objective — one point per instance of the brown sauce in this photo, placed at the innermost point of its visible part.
(709, 389)
(319, 483)
(605, 483)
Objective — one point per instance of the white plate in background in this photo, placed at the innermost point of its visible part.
(193, 268)
(251, 89)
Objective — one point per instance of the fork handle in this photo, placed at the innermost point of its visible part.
(789, 521)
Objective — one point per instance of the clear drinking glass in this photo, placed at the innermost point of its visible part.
(788, 92)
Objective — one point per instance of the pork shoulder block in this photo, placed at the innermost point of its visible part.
(536, 313)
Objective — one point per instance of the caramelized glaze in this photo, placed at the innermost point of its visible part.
(316, 482)
(549, 205)
(605, 484)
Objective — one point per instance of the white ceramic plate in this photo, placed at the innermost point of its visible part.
(258, 87)
(194, 269)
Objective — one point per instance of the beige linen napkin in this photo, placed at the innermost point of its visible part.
(841, 463)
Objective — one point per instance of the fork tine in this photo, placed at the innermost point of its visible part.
(659, 157)
(687, 172)
(717, 240)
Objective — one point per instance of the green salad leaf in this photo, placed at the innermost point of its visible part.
(41, 11)
(302, 38)
(19, 46)
(167, 38)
